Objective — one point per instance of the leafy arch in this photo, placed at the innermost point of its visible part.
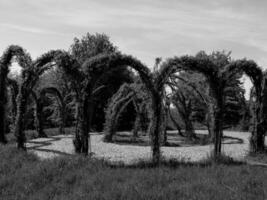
(56, 93)
(23, 59)
(30, 78)
(14, 89)
(38, 98)
(117, 104)
(259, 91)
(216, 78)
(102, 64)
(127, 93)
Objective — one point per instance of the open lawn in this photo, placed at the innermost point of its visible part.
(24, 176)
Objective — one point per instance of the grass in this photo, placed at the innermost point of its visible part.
(23, 176)
(32, 134)
(260, 157)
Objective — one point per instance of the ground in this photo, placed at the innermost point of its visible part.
(23, 175)
(235, 145)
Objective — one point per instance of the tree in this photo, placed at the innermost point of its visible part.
(183, 103)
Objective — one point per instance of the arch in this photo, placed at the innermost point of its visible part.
(118, 103)
(127, 93)
(258, 79)
(217, 78)
(56, 93)
(38, 114)
(5, 61)
(30, 78)
(38, 98)
(103, 63)
(14, 88)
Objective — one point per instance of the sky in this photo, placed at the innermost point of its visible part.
(145, 29)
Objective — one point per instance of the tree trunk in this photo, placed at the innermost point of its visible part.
(19, 127)
(2, 122)
(78, 115)
(84, 127)
(164, 125)
(255, 140)
(155, 127)
(210, 121)
(189, 130)
(218, 124)
(62, 119)
(136, 124)
(111, 123)
(39, 118)
(3, 102)
(258, 134)
(176, 124)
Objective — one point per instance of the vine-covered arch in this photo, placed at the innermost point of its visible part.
(31, 71)
(14, 90)
(117, 104)
(5, 61)
(120, 100)
(102, 64)
(62, 107)
(217, 79)
(258, 79)
(38, 98)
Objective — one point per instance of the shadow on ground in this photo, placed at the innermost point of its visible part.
(39, 145)
(174, 140)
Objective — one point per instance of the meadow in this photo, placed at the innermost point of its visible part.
(24, 176)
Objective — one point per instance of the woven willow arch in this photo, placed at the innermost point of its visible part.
(38, 99)
(31, 71)
(217, 79)
(127, 93)
(102, 64)
(258, 79)
(23, 59)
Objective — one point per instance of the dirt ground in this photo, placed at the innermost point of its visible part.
(237, 147)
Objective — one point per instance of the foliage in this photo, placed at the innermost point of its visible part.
(39, 97)
(93, 70)
(127, 93)
(117, 104)
(90, 102)
(216, 68)
(5, 62)
(91, 45)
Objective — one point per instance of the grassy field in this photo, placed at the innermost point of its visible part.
(23, 176)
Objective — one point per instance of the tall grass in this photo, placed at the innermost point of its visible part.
(23, 176)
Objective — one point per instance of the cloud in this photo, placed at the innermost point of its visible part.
(145, 28)
(29, 29)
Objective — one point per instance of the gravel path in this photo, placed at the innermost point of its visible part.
(62, 145)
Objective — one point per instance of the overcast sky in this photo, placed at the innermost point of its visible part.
(143, 28)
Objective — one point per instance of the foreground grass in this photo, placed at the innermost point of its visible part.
(23, 176)
(260, 158)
